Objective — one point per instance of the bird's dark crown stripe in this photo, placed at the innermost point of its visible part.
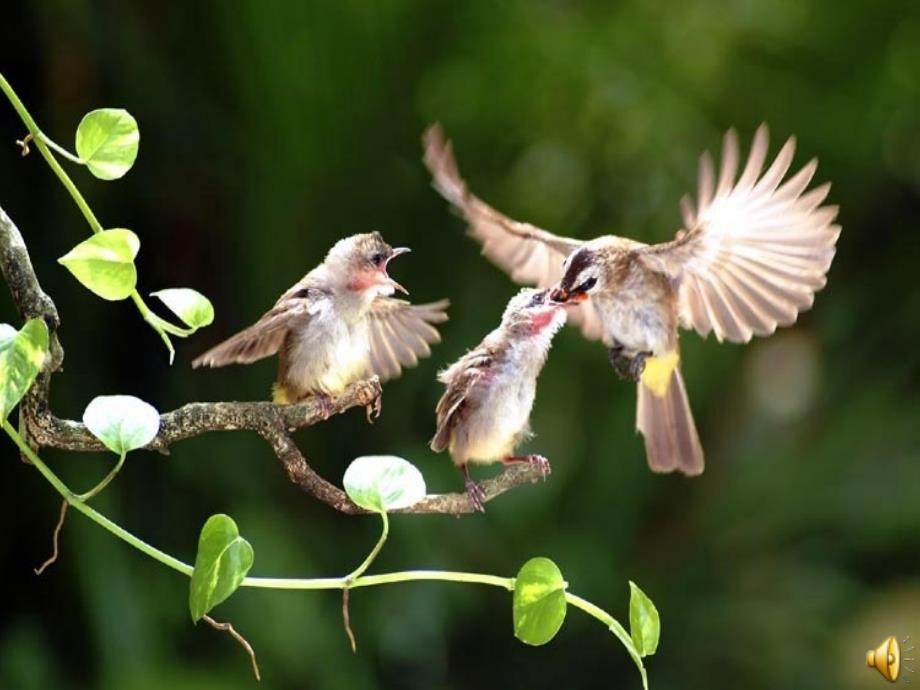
(580, 260)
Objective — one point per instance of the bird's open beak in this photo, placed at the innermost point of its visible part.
(389, 281)
(559, 295)
(565, 297)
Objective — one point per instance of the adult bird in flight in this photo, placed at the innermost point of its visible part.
(750, 256)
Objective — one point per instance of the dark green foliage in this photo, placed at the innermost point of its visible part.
(222, 561)
(272, 129)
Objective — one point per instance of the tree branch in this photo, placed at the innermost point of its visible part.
(274, 423)
(194, 419)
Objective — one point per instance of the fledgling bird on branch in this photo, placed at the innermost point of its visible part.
(337, 325)
(750, 257)
(484, 413)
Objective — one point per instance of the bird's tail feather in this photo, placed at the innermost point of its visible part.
(664, 419)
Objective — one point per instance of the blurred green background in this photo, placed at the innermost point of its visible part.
(269, 130)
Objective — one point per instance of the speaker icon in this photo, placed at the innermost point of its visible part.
(887, 658)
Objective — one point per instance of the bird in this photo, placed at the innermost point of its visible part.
(484, 412)
(337, 325)
(751, 254)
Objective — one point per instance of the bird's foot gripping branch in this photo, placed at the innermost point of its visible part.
(106, 145)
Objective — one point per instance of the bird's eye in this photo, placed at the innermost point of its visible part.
(587, 285)
(377, 259)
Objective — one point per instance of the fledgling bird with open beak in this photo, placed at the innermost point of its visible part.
(337, 325)
(750, 257)
(484, 413)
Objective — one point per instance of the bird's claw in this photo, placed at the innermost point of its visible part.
(541, 464)
(627, 368)
(538, 462)
(325, 405)
(637, 365)
(476, 494)
(373, 410)
(619, 361)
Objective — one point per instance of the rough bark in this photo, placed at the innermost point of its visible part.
(274, 423)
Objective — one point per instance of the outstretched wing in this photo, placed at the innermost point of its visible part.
(531, 256)
(460, 379)
(265, 336)
(401, 332)
(754, 252)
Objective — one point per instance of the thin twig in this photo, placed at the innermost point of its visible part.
(24, 144)
(54, 540)
(346, 621)
(228, 628)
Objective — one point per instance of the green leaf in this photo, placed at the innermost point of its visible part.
(122, 422)
(191, 306)
(222, 562)
(104, 263)
(538, 605)
(382, 483)
(22, 354)
(644, 623)
(107, 142)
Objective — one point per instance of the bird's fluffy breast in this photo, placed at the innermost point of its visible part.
(329, 354)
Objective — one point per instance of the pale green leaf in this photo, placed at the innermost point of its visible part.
(191, 306)
(22, 355)
(107, 141)
(644, 623)
(104, 263)
(222, 561)
(122, 422)
(538, 605)
(382, 483)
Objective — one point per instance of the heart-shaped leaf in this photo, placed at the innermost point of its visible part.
(191, 306)
(107, 142)
(104, 263)
(382, 483)
(222, 562)
(122, 422)
(644, 623)
(22, 354)
(538, 604)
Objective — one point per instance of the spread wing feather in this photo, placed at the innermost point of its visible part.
(754, 251)
(263, 339)
(401, 332)
(531, 256)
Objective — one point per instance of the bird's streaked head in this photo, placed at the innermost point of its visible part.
(362, 262)
(581, 276)
(531, 312)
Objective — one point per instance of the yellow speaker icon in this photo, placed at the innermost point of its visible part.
(886, 658)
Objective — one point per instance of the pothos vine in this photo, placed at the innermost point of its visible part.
(107, 145)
